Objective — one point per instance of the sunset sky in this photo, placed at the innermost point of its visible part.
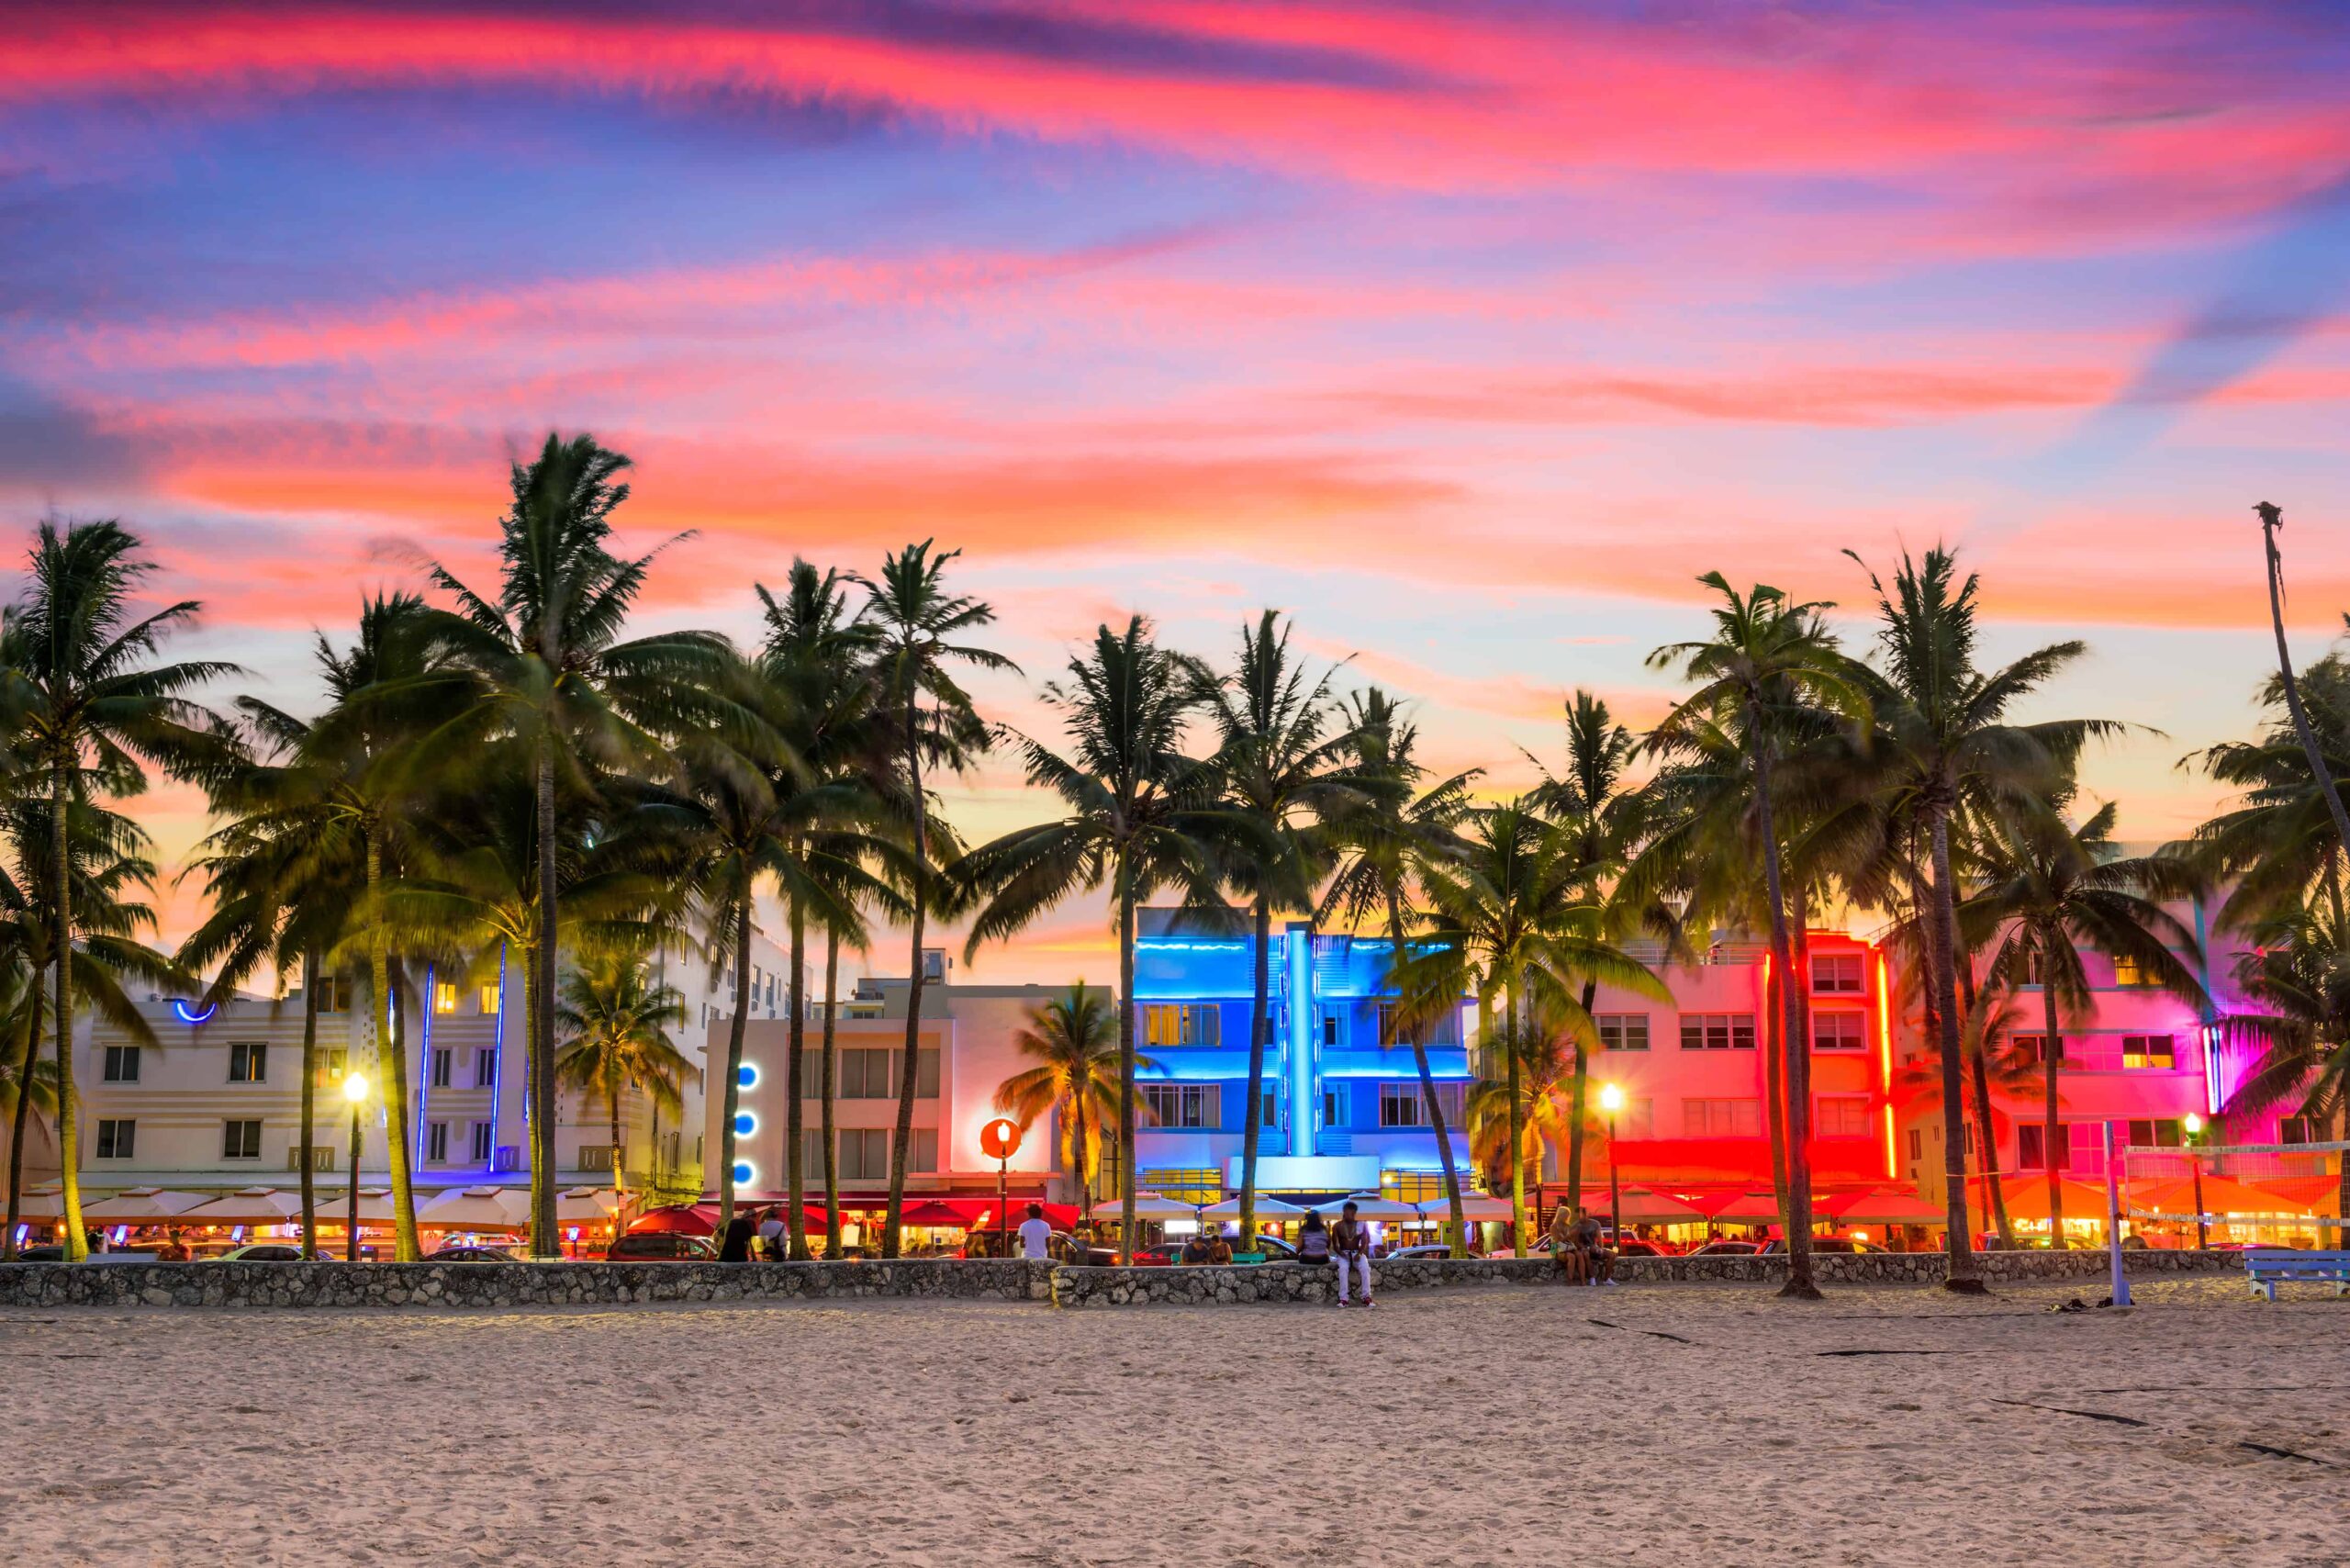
(1468, 333)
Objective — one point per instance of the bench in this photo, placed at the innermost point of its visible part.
(2269, 1269)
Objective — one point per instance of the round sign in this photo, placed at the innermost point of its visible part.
(1001, 1138)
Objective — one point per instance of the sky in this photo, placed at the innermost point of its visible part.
(1467, 335)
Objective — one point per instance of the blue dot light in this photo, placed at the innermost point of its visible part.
(743, 1171)
(746, 1123)
(747, 1075)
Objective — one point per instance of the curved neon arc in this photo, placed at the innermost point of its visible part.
(190, 1016)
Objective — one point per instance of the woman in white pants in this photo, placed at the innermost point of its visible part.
(1350, 1246)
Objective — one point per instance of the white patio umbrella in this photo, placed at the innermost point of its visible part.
(1147, 1206)
(246, 1205)
(374, 1206)
(1266, 1208)
(142, 1206)
(1370, 1205)
(475, 1208)
(1474, 1207)
(585, 1205)
(41, 1203)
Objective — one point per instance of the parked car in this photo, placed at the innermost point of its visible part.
(471, 1254)
(1275, 1249)
(54, 1252)
(261, 1252)
(1777, 1247)
(1633, 1247)
(1423, 1249)
(1727, 1250)
(661, 1247)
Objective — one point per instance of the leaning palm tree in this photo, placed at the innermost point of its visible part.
(1947, 743)
(1771, 666)
(2047, 889)
(557, 675)
(95, 706)
(2275, 847)
(2272, 518)
(615, 1022)
(1142, 816)
(1073, 1041)
(1284, 759)
(1390, 829)
(917, 625)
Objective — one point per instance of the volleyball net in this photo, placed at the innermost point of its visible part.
(2250, 1186)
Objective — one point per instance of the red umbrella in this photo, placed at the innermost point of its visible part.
(1745, 1206)
(678, 1219)
(931, 1213)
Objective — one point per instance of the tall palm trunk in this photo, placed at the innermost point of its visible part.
(309, 1102)
(1521, 1020)
(1457, 1234)
(1260, 1022)
(391, 1018)
(2270, 521)
(28, 1058)
(1775, 1087)
(543, 1238)
(1979, 1085)
(734, 1060)
(1800, 1283)
(2052, 1056)
(826, 1086)
(1578, 1095)
(69, 1161)
(1942, 946)
(1128, 1175)
(795, 1032)
(901, 1138)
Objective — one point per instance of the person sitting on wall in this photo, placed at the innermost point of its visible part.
(1219, 1247)
(1574, 1262)
(1314, 1239)
(1195, 1250)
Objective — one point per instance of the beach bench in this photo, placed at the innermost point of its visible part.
(2269, 1269)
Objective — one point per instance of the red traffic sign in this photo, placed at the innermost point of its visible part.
(1001, 1138)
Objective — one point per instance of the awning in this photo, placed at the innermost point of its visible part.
(2027, 1198)
(1888, 1205)
(1737, 1205)
(476, 1208)
(2221, 1196)
(1644, 1207)
(2302, 1192)
(1147, 1206)
(142, 1206)
(677, 1219)
(246, 1205)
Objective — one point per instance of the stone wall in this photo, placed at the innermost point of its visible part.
(508, 1284)
(1289, 1283)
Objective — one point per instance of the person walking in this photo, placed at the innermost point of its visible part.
(1350, 1245)
(1035, 1234)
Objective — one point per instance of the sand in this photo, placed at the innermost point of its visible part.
(1693, 1426)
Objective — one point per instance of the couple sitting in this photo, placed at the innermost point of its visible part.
(1347, 1243)
(1575, 1247)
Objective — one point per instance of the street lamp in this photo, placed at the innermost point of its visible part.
(1611, 1101)
(2194, 1125)
(355, 1090)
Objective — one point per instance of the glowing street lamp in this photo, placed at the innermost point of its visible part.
(355, 1090)
(2193, 1125)
(1611, 1101)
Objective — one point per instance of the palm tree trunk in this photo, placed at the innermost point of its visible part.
(1942, 946)
(795, 1217)
(2270, 520)
(27, 1060)
(619, 1163)
(77, 1241)
(827, 1085)
(1457, 1234)
(1128, 1176)
(544, 1242)
(1260, 1018)
(309, 1102)
(1580, 1097)
(1800, 1283)
(2052, 1056)
(1979, 1085)
(1520, 1021)
(901, 1138)
(734, 1060)
(392, 1020)
(1774, 1089)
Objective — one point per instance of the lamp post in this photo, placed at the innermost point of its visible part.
(2194, 1125)
(1611, 1101)
(355, 1090)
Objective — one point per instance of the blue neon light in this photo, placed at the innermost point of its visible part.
(497, 1050)
(747, 1075)
(746, 1123)
(743, 1174)
(190, 1016)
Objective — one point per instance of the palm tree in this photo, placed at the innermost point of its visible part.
(1073, 1040)
(2047, 889)
(2272, 518)
(1534, 1115)
(1282, 763)
(916, 624)
(557, 675)
(1770, 654)
(1996, 1060)
(615, 1022)
(94, 707)
(1141, 817)
(2277, 847)
(1392, 832)
(1943, 729)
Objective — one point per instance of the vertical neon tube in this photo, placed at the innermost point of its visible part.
(424, 1065)
(1305, 1021)
(1885, 1059)
(498, 1063)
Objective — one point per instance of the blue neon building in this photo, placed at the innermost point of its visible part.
(1343, 1105)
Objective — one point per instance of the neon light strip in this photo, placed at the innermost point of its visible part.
(190, 1016)
(497, 1073)
(424, 1065)
(1885, 1059)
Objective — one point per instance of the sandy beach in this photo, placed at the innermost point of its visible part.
(1684, 1425)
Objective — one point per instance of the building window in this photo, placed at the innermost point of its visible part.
(1191, 1186)
(122, 1064)
(1183, 1104)
(2032, 1048)
(2128, 970)
(1415, 1187)
(436, 1143)
(331, 997)
(1168, 1024)
(1332, 1029)
(483, 1134)
(1839, 1116)
(1836, 974)
(247, 1061)
(489, 999)
(1271, 1116)
(1917, 1144)
(117, 1139)
(1623, 1031)
(2031, 1147)
(864, 1153)
(443, 1065)
(2164, 1133)
(1717, 1030)
(870, 1073)
(444, 996)
(333, 1067)
(240, 1140)
(1839, 1031)
(1334, 1108)
(1403, 1104)
(1389, 1032)
(2155, 1051)
(2297, 1129)
(485, 1066)
(1721, 1118)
